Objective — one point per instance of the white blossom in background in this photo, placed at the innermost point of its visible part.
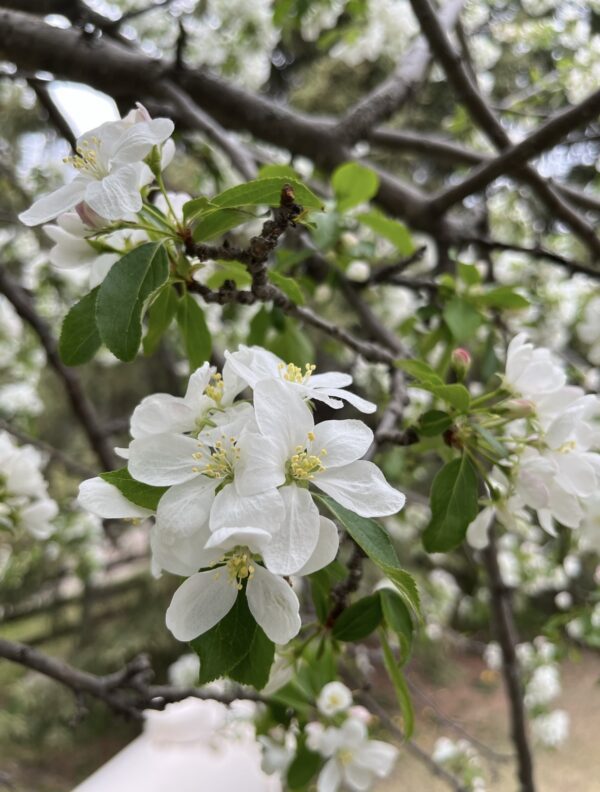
(461, 759)
(111, 171)
(24, 500)
(588, 329)
(335, 697)
(184, 671)
(352, 758)
(551, 729)
(387, 30)
(278, 750)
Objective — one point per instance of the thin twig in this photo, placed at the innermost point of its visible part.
(507, 638)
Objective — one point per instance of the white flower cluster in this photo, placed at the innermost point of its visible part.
(20, 365)
(541, 682)
(238, 503)
(554, 468)
(112, 168)
(24, 501)
(353, 760)
(462, 760)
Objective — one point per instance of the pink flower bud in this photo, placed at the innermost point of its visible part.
(461, 362)
(88, 216)
(519, 408)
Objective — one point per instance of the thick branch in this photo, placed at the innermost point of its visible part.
(127, 691)
(389, 97)
(507, 638)
(82, 407)
(545, 137)
(485, 118)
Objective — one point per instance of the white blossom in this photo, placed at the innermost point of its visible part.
(24, 500)
(334, 697)
(111, 171)
(352, 758)
(551, 729)
(254, 365)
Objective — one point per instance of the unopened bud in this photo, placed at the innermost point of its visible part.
(519, 408)
(154, 161)
(88, 216)
(461, 362)
(358, 271)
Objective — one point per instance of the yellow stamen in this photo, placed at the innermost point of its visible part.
(293, 373)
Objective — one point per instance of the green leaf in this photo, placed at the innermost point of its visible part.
(255, 667)
(229, 270)
(259, 327)
(469, 274)
(303, 768)
(226, 646)
(135, 491)
(462, 318)
(397, 617)
(453, 505)
(217, 222)
(504, 297)
(376, 543)
(393, 230)
(288, 286)
(79, 336)
(196, 335)
(292, 345)
(123, 295)
(197, 207)
(433, 423)
(419, 371)
(456, 394)
(267, 192)
(281, 171)
(397, 678)
(160, 316)
(358, 620)
(490, 441)
(353, 184)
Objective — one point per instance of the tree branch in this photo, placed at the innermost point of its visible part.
(545, 137)
(485, 118)
(127, 691)
(82, 407)
(507, 638)
(389, 97)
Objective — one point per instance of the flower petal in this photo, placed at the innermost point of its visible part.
(261, 465)
(117, 196)
(274, 605)
(185, 507)
(264, 510)
(255, 539)
(105, 500)
(356, 401)
(362, 488)
(50, 206)
(344, 441)
(200, 603)
(163, 459)
(181, 555)
(330, 379)
(326, 549)
(253, 364)
(161, 413)
(294, 543)
(281, 414)
(330, 777)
